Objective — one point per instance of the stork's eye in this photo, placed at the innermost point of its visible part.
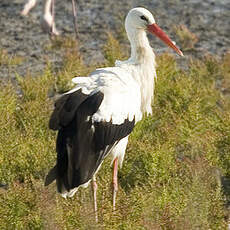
(144, 18)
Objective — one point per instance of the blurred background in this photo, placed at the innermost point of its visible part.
(198, 27)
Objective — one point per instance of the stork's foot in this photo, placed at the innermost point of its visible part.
(55, 32)
(47, 27)
(24, 12)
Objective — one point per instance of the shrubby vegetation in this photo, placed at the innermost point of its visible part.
(174, 166)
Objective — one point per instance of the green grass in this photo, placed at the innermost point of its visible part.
(187, 39)
(170, 178)
(9, 60)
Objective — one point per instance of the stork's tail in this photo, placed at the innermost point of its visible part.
(51, 176)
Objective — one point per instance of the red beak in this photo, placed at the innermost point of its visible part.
(156, 30)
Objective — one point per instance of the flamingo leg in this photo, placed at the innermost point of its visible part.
(94, 188)
(115, 183)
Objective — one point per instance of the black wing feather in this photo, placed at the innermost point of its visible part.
(89, 142)
(65, 109)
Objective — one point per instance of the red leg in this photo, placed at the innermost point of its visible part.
(94, 188)
(115, 183)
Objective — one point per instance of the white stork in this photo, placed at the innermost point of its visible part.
(95, 118)
(48, 16)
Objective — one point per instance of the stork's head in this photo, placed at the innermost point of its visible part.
(141, 19)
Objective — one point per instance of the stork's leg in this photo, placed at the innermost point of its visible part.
(115, 183)
(48, 19)
(28, 6)
(53, 17)
(94, 188)
(75, 18)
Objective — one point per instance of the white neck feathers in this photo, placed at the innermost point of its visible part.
(142, 65)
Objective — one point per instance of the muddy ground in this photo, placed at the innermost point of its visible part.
(23, 36)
